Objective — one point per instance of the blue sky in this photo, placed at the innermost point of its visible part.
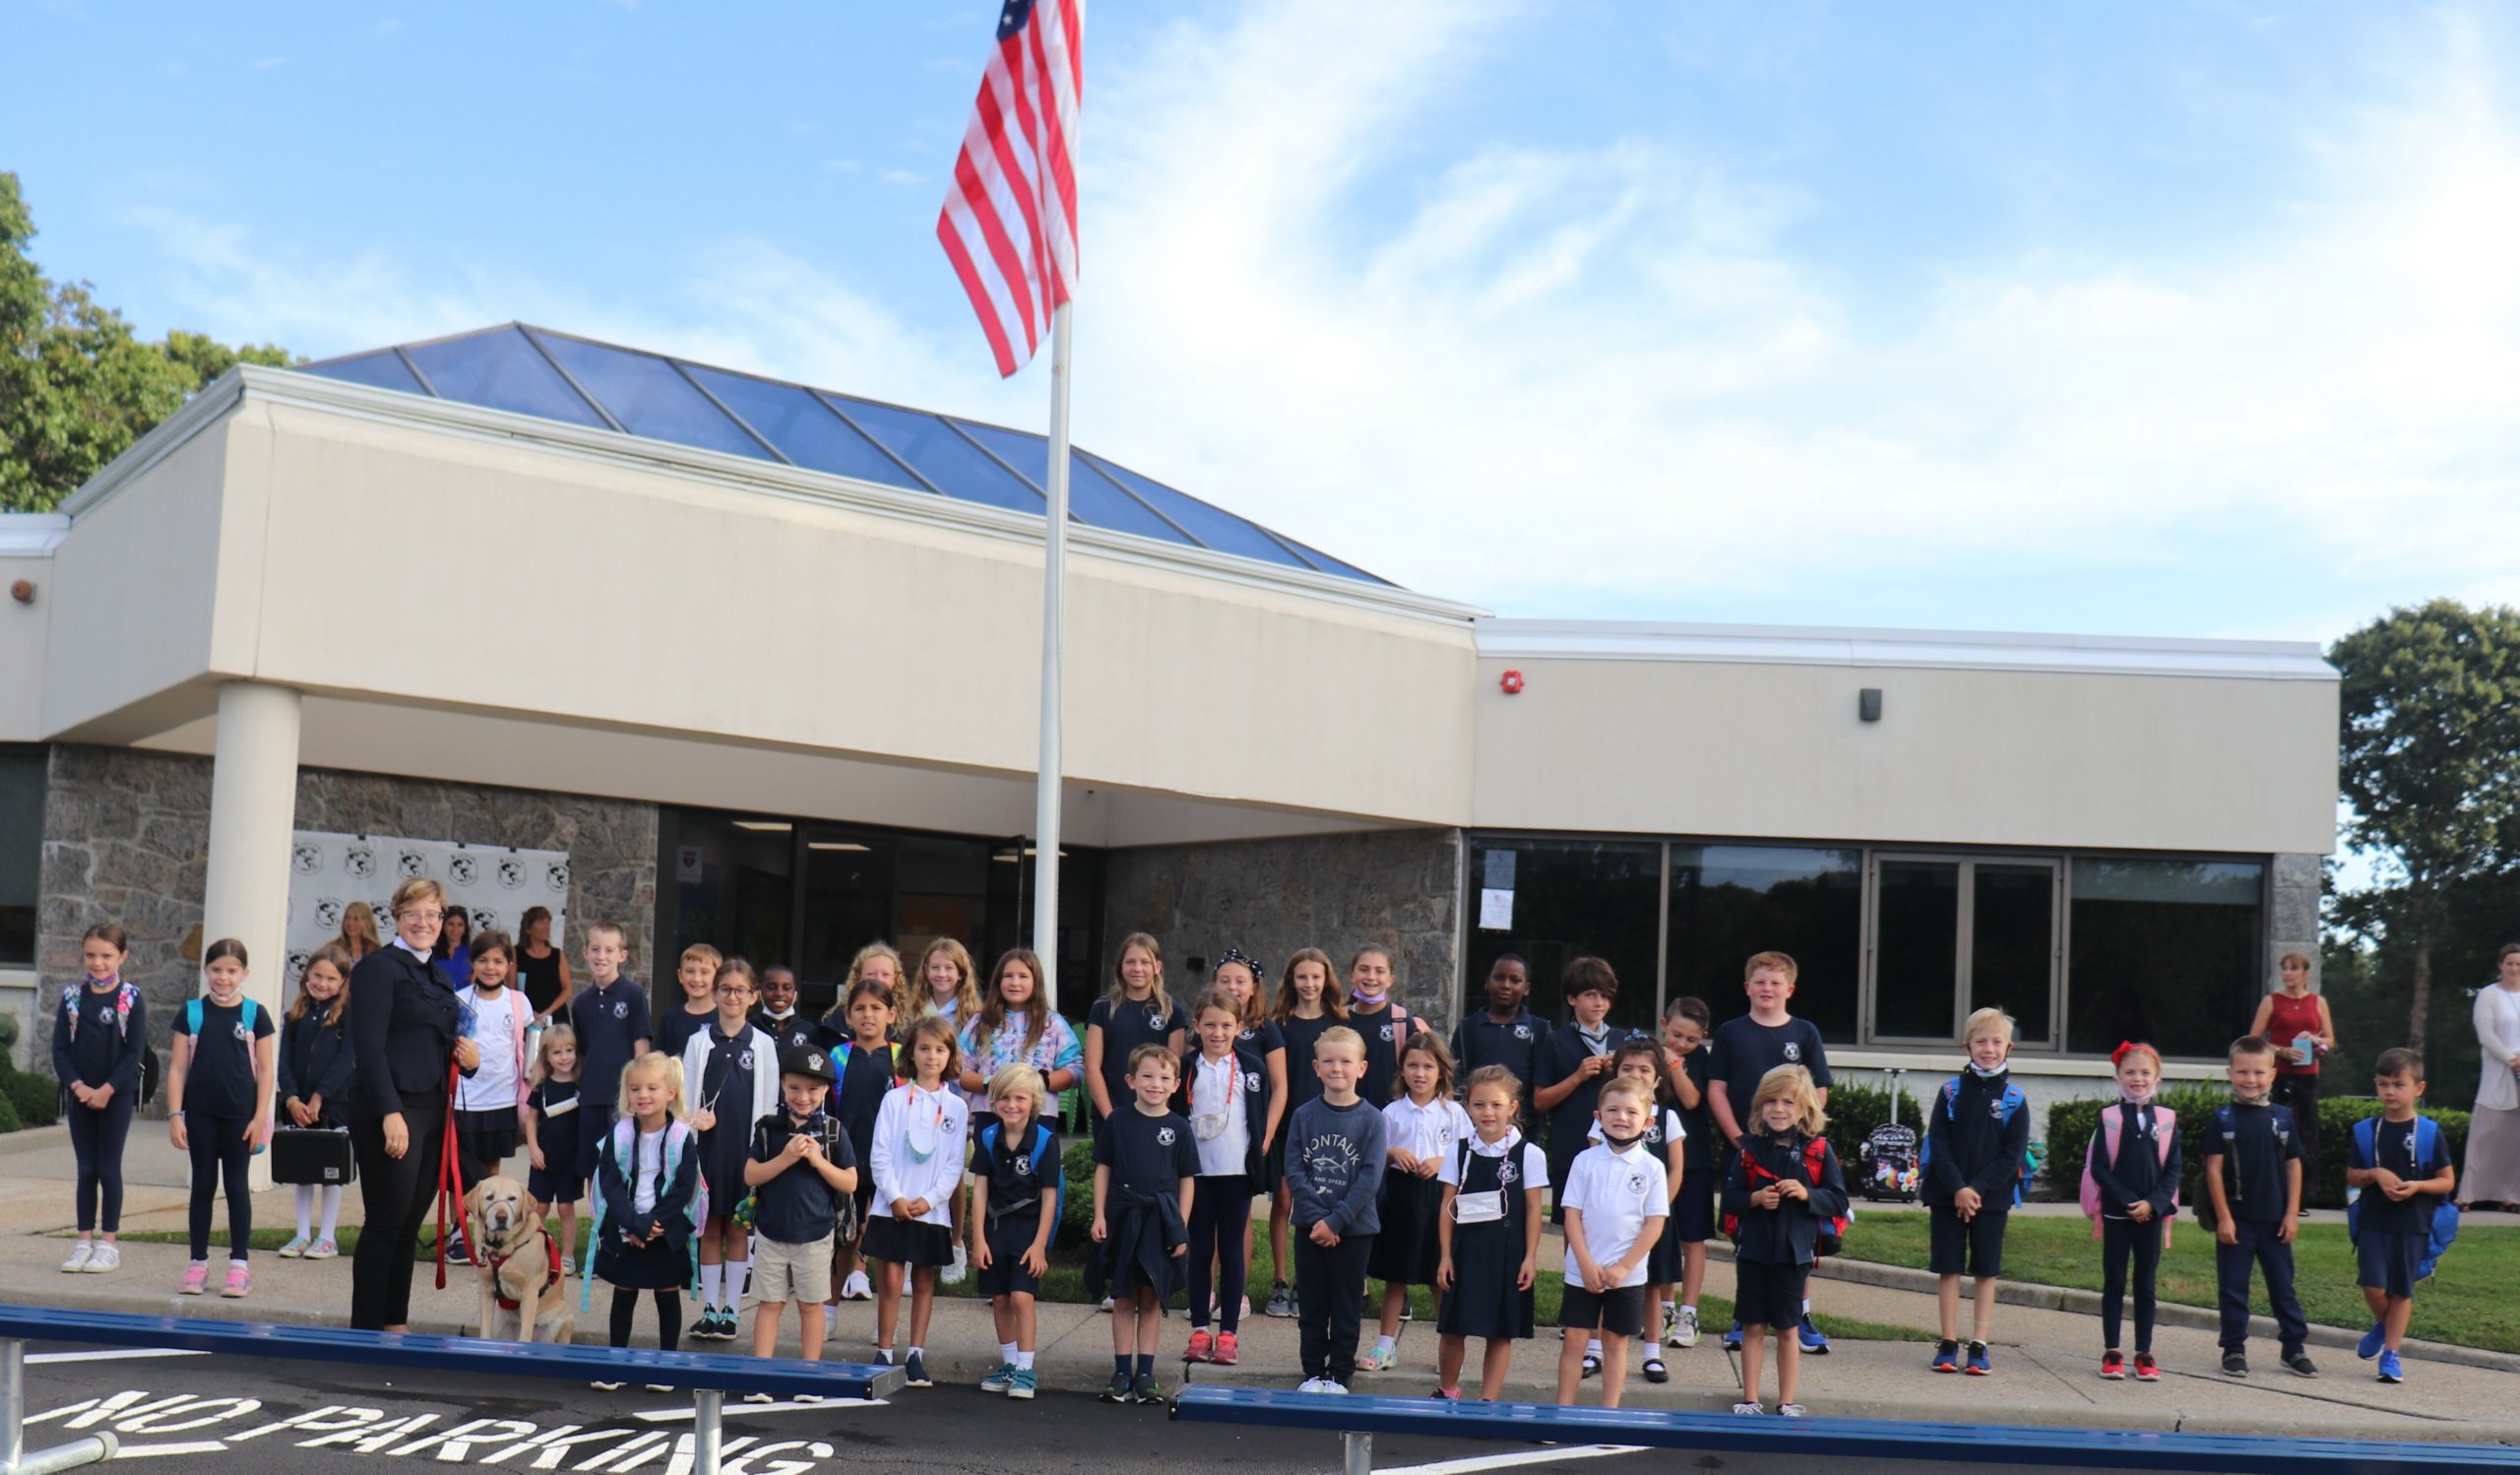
(2172, 320)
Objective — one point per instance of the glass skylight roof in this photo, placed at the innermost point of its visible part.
(557, 377)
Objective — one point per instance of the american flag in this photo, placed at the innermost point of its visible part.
(1009, 222)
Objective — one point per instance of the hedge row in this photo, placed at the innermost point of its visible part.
(2071, 1124)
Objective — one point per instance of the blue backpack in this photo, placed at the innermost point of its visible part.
(2011, 1106)
(1054, 1184)
(2427, 1149)
(248, 1013)
(622, 1143)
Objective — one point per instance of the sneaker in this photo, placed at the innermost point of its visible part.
(1000, 1380)
(856, 1287)
(295, 1248)
(1310, 1386)
(1146, 1389)
(1447, 1395)
(2297, 1361)
(915, 1367)
(1790, 1410)
(1979, 1365)
(1653, 1370)
(1121, 1389)
(1733, 1338)
(457, 1253)
(81, 1254)
(2147, 1369)
(757, 1398)
(2112, 1365)
(2374, 1343)
(601, 1385)
(1670, 1322)
(1592, 1365)
(1228, 1350)
(196, 1279)
(240, 1282)
(1378, 1360)
(1023, 1382)
(705, 1330)
(659, 1388)
(1686, 1334)
(1814, 1342)
(953, 1274)
(1946, 1357)
(2234, 1365)
(1203, 1346)
(1105, 1307)
(1749, 1408)
(1242, 1310)
(1282, 1301)
(106, 1259)
(1334, 1385)
(2391, 1369)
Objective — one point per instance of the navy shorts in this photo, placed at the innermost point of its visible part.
(1975, 1248)
(1618, 1311)
(1693, 1211)
(1765, 1295)
(2385, 1259)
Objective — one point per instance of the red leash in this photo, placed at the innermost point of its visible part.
(450, 1175)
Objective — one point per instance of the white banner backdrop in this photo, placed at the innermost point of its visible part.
(494, 885)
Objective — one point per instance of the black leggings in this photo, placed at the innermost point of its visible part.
(2121, 1241)
(2302, 1094)
(398, 1195)
(1219, 1207)
(96, 1135)
(625, 1305)
(217, 1145)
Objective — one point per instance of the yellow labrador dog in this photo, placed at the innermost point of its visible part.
(523, 1296)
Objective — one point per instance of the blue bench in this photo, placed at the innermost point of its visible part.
(709, 1376)
(1357, 1419)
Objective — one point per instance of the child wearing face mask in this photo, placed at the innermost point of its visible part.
(2130, 1194)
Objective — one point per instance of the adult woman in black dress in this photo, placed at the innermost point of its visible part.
(541, 970)
(403, 1038)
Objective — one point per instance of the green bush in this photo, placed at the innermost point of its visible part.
(2071, 1124)
(1076, 1215)
(36, 1096)
(9, 1122)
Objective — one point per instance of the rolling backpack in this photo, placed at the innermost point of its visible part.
(2013, 1101)
(623, 1144)
(2444, 1228)
(1816, 1160)
(2103, 1146)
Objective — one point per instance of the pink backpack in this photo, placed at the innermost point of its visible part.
(2105, 1141)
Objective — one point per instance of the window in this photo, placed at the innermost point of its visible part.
(22, 785)
(1731, 901)
(2169, 950)
(1564, 899)
(1954, 936)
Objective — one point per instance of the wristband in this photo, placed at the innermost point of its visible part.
(177, 1114)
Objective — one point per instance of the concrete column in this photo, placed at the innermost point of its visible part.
(253, 813)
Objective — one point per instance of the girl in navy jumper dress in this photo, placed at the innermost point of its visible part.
(1489, 1236)
(650, 1202)
(558, 1176)
(315, 1084)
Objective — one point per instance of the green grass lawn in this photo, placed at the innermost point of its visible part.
(2467, 1301)
(1065, 1283)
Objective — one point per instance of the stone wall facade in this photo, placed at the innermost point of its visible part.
(1398, 888)
(2292, 893)
(126, 837)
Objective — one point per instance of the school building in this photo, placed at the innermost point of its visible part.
(762, 661)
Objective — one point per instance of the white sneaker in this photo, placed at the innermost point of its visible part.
(1310, 1386)
(79, 1258)
(1333, 1386)
(856, 1287)
(953, 1274)
(105, 1260)
(1685, 1335)
(757, 1398)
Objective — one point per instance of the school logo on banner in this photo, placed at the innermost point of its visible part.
(410, 864)
(463, 871)
(306, 860)
(358, 861)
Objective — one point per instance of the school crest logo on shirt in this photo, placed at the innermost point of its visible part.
(1637, 1183)
(1251, 1080)
(243, 1031)
(1995, 1109)
(1386, 1034)
(1154, 1021)
(1506, 1171)
(1163, 1136)
(1522, 1032)
(1793, 1054)
(621, 1008)
(105, 1013)
(743, 1061)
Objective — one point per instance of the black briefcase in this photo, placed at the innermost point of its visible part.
(313, 1155)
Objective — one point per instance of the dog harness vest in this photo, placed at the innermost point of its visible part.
(551, 1275)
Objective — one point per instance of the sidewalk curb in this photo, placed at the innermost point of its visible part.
(2194, 1318)
(35, 1139)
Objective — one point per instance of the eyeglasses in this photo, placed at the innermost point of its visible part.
(422, 916)
(734, 987)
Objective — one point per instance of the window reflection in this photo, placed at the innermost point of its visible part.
(1730, 901)
(2165, 949)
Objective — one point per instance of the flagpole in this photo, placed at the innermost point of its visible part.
(1045, 801)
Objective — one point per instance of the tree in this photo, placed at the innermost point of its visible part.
(77, 384)
(2429, 768)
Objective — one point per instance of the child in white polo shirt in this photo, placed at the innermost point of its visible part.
(1616, 1203)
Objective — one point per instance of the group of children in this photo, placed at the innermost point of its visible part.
(731, 1139)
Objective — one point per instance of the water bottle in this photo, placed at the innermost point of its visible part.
(2305, 1048)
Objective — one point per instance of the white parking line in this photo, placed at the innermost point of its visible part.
(112, 1355)
(684, 1415)
(197, 1446)
(1509, 1461)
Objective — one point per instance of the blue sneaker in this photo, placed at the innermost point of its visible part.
(1000, 1380)
(2374, 1343)
(1813, 1343)
(2390, 1369)
(1979, 1365)
(1733, 1338)
(915, 1367)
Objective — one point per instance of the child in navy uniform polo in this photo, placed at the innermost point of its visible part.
(1571, 1065)
(610, 1015)
(1977, 1133)
(2253, 1182)
(1507, 1034)
(2404, 1174)
(1741, 1055)
(798, 1167)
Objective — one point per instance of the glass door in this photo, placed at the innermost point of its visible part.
(1951, 934)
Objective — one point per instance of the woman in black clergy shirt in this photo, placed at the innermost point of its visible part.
(403, 1038)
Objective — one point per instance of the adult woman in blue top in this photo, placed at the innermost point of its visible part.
(404, 1037)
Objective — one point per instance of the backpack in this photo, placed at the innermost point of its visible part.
(1055, 1185)
(124, 998)
(1816, 1160)
(2227, 1127)
(623, 1144)
(2445, 1215)
(249, 1012)
(2010, 1106)
(2103, 1144)
(1890, 1164)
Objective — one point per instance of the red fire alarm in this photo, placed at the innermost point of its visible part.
(1511, 683)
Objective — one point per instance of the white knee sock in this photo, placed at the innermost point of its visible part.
(332, 1211)
(305, 1211)
(711, 1277)
(737, 1272)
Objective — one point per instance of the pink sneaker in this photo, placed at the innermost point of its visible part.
(196, 1278)
(1202, 1347)
(239, 1281)
(1228, 1350)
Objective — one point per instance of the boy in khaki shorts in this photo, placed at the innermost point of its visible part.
(801, 1168)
